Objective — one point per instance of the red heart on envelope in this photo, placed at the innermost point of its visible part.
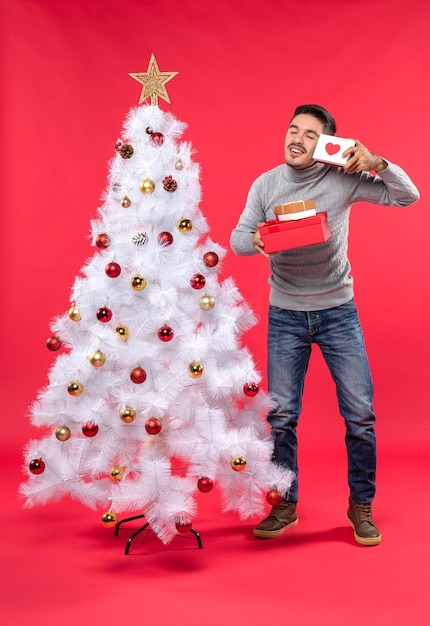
(332, 148)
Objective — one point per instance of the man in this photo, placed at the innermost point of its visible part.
(311, 301)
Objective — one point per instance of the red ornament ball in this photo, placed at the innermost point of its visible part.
(90, 429)
(153, 426)
(37, 466)
(113, 270)
(53, 343)
(250, 389)
(165, 238)
(138, 375)
(273, 497)
(210, 259)
(184, 526)
(205, 484)
(198, 281)
(165, 333)
(102, 241)
(157, 139)
(104, 314)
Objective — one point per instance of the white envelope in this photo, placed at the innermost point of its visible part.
(329, 149)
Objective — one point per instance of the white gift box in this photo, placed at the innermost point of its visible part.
(296, 210)
(296, 216)
(329, 149)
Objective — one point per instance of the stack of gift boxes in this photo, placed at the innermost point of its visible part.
(297, 223)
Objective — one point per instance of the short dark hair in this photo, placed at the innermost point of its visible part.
(321, 114)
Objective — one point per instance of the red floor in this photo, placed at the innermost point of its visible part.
(63, 567)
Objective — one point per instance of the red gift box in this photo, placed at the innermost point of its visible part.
(279, 236)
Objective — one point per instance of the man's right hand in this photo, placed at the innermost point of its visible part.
(258, 242)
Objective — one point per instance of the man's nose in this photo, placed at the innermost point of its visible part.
(299, 138)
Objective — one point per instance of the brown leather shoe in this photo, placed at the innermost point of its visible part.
(360, 518)
(281, 517)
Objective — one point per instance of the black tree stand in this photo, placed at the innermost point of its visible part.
(144, 527)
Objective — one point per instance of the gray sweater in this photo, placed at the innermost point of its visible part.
(317, 276)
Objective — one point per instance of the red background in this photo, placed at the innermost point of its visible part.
(243, 67)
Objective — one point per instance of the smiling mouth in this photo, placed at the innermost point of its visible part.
(296, 149)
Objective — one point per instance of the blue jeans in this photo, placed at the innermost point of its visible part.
(337, 331)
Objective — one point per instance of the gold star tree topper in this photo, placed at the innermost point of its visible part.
(153, 82)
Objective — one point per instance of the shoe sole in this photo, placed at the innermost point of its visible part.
(271, 534)
(365, 541)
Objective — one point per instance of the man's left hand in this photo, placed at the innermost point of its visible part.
(360, 159)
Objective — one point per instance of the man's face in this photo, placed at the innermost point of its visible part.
(301, 139)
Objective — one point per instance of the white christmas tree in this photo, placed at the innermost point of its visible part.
(153, 397)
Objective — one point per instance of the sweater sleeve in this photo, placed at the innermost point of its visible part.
(391, 187)
(253, 213)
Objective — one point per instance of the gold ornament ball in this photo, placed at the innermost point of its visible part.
(63, 433)
(207, 302)
(125, 202)
(147, 186)
(109, 519)
(116, 473)
(122, 332)
(179, 165)
(74, 313)
(238, 463)
(97, 358)
(75, 388)
(195, 369)
(128, 414)
(184, 225)
(138, 283)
